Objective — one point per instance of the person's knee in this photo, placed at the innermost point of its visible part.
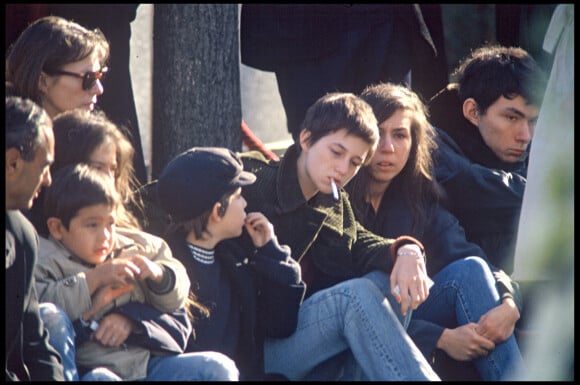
(222, 366)
(467, 270)
(54, 318)
(100, 374)
(476, 266)
(48, 309)
(361, 286)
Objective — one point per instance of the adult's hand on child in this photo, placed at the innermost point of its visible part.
(409, 280)
(114, 329)
(464, 344)
(259, 228)
(104, 296)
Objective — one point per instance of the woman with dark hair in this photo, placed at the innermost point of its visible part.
(471, 310)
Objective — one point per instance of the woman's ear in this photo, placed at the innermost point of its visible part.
(471, 111)
(43, 83)
(304, 138)
(55, 227)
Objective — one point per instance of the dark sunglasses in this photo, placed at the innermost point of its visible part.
(89, 78)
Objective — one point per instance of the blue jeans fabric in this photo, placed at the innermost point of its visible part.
(349, 331)
(61, 336)
(462, 292)
(199, 366)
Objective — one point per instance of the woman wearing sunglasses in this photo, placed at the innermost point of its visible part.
(59, 64)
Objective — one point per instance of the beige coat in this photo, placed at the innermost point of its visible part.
(61, 279)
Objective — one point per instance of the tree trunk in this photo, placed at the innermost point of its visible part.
(196, 79)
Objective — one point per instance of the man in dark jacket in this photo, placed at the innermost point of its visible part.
(485, 123)
(29, 153)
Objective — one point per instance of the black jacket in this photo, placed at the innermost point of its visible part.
(319, 48)
(29, 356)
(444, 242)
(484, 193)
(161, 333)
(266, 289)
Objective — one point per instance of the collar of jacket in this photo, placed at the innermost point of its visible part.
(287, 185)
(291, 197)
(471, 142)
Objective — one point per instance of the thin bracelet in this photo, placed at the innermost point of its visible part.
(407, 252)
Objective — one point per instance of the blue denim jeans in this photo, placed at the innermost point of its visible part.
(462, 292)
(61, 336)
(353, 330)
(199, 366)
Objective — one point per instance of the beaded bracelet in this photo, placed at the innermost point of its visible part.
(407, 252)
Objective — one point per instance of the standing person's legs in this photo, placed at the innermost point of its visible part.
(199, 366)
(354, 315)
(463, 292)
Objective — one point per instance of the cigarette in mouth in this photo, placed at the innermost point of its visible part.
(334, 189)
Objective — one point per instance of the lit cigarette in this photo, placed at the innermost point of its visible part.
(334, 189)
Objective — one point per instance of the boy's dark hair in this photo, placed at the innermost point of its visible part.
(335, 111)
(75, 187)
(199, 224)
(493, 71)
(24, 122)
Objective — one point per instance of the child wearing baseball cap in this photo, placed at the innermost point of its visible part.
(248, 296)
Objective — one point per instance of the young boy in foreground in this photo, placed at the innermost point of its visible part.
(95, 271)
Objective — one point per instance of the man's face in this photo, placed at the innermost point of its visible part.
(507, 127)
(28, 177)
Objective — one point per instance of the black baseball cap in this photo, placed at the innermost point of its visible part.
(196, 179)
